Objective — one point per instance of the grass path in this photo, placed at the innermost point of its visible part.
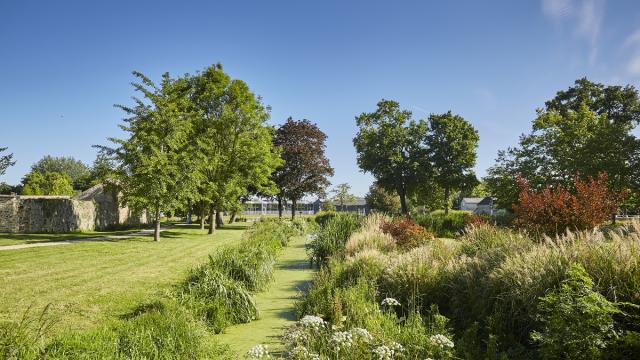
(276, 305)
(91, 282)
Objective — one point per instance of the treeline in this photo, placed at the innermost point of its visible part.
(201, 143)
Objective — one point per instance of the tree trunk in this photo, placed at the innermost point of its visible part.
(280, 207)
(403, 202)
(189, 214)
(446, 201)
(202, 214)
(293, 209)
(156, 231)
(219, 220)
(212, 220)
(232, 219)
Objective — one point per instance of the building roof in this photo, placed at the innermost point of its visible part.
(477, 200)
(359, 201)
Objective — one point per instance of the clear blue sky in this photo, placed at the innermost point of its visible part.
(64, 64)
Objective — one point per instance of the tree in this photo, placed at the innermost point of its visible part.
(77, 171)
(5, 161)
(49, 183)
(154, 169)
(391, 146)
(306, 168)
(342, 195)
(381, 200)
(232, 144)
(584, 130)
(452, 143)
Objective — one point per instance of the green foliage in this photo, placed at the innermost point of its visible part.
(26, 338)
(488, 282)
(328, 206)
(342, 195)
(48, 183)
(5, 161)
(576, 322)
(158, 330)
(380, 200)
(233, 145)
(452, 143)
(332, 237)
(444, 225)
(590, 119)
(76, 170)
(219, 291)
(390, 145)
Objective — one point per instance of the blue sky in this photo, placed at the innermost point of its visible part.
(64, 64)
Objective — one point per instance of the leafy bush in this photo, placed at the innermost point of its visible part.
(406, 233)
(443, 225)
(576, 322)
(217, 299)
(323, 216)
(554, 210)
(158, 330)
(332, 237)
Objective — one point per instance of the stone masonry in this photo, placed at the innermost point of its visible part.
(94, 209)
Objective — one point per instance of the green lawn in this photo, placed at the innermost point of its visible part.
(90, 282)
(15, 239)
(276, 304)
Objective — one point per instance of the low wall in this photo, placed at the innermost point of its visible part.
(97, 210)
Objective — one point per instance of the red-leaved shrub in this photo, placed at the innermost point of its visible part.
(406, 232)
(555, 209)
(475, 220)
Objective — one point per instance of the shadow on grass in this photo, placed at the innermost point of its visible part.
(39, 238)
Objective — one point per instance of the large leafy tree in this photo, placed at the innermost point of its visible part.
(391, 146)
(48, 183)
(381, 200)
(342, 194)
(232, 143)
(306, 168)
(584, 130)
(154, 167)
(452, 145)
(77, 171)
(5, 161)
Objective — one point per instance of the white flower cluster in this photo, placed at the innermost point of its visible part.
(295, 335)
(441, 341)
(361, 333)
(390, 302)
(387, 352)
(313, 322)
(258, 352)
(341, 339)
(301, 352)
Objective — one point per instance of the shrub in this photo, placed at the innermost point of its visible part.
(370, 237)
(332, 237)
(576, 322)
(443, 225)
(322, 217)
(406, 233)
(158, 330)
(217, 300)
(554, 210)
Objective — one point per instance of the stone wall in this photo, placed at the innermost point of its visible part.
(94, 209)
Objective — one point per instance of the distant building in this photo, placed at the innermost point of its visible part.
(259, 206)
(478, 205)
(359, 206)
